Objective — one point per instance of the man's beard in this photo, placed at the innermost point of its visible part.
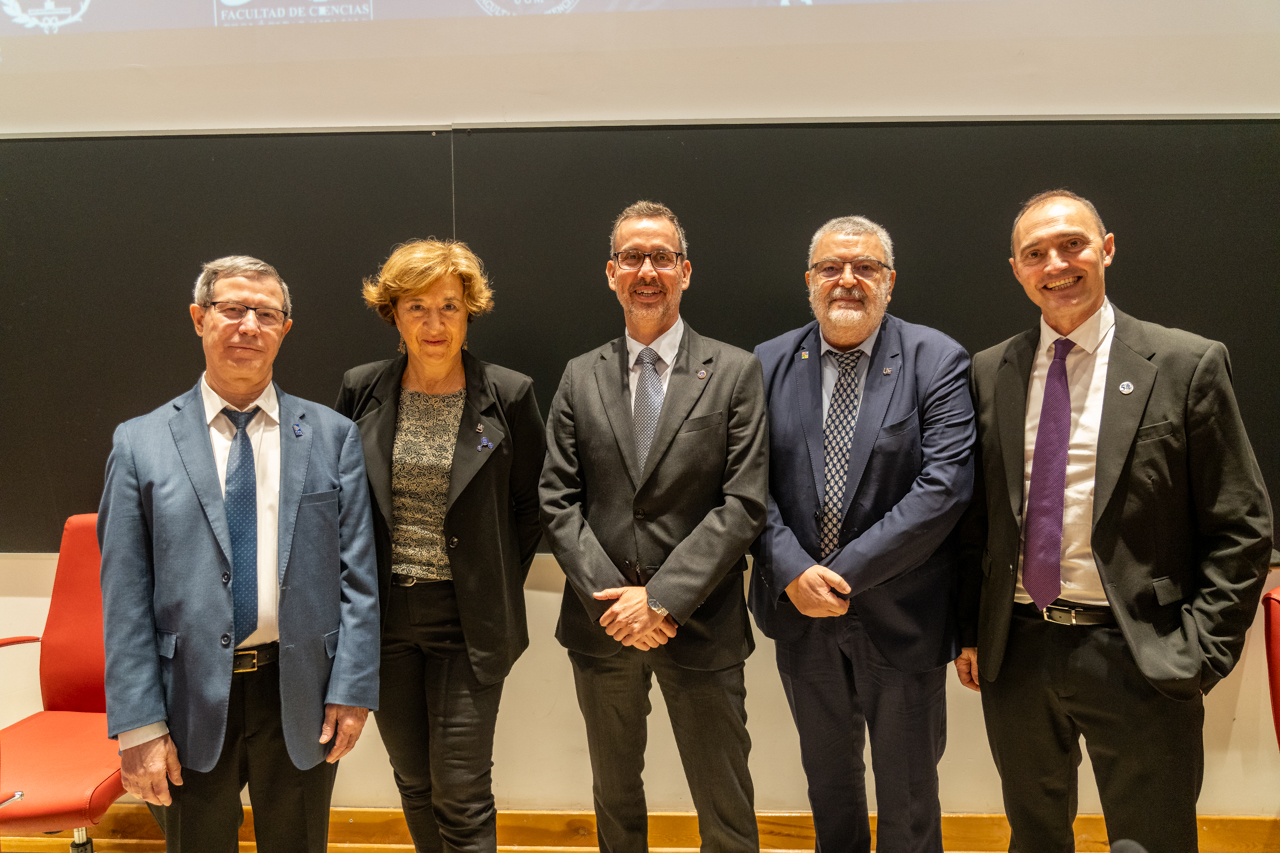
(852, 322)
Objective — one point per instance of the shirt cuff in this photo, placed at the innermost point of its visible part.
(137, 737)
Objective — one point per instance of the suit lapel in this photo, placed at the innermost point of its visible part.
(295, 460)
(1012, 378)
(807, 393)
(191, 434)
(378, 433)
(690, 376)
(1121, 413)
(612, 380)
(470, 453)
(877, 390)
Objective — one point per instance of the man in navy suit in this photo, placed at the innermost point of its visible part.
(870, 465)
(239, 587)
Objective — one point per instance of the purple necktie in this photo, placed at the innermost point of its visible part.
(1042, 557)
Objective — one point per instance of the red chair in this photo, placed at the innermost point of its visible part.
(1271, 612)
(61, 758)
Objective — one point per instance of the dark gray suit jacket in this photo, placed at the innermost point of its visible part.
(491, 517)
(1182, 524)
(682, 525)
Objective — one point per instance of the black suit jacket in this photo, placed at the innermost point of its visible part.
(682, 525)
(1182, 524)
(491, 520)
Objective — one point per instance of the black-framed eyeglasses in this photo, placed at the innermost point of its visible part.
(234, 312)
(662, 259)
(867, 269)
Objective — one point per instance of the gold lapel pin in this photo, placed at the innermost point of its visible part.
(888, 370)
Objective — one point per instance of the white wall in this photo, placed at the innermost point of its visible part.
(541, 751)
(919, 60)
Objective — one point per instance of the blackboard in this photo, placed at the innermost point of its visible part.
(101, 239)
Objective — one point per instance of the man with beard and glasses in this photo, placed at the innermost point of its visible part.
(653, 489)
(870, 445)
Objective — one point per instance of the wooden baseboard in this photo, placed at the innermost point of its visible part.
(128, 828)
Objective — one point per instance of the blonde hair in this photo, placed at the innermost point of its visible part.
(415, 267)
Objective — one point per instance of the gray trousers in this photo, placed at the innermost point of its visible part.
(709, 717)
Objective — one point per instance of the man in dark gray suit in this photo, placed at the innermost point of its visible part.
(653, 489)
(1115, 549)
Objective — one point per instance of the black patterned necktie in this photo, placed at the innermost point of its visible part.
(837, 437)
(241, 502)
(648, 402)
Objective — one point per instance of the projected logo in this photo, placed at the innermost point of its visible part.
(253, 13)
(48, 17)
(526, 7)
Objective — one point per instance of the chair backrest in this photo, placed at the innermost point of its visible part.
(72, 656)
(1271, 612)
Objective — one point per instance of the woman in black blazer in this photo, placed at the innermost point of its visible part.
(454, 449)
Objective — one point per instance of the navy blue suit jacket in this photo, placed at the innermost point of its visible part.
(910, 478)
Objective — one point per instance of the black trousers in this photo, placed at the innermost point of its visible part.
(709, 716)
(840, 687)
(290, 806)
(1058, 682)
(437, 722)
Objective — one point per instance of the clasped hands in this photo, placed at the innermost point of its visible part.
(631, 621)
(149, 768)
(814, 592)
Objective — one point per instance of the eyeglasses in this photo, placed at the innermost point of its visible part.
(662, 259)
(234, 312)
(867, 269)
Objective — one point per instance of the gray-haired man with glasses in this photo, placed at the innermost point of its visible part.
(653, 488)
(239, 587)
(870, 445)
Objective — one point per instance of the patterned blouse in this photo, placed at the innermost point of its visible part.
(421, 461)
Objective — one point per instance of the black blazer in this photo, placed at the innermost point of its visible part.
(1181, 518)
(491, 518)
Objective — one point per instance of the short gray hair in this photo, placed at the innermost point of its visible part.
(853, 226)
(230, 267)
(649, 210)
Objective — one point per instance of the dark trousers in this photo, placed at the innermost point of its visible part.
(1058, 682)
(437, 722)
(709, 717)
(290, 806)
(840, 687)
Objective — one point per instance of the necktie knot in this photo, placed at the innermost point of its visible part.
(240, 419)
(1061, 347)
(848, 361)
(648, 357)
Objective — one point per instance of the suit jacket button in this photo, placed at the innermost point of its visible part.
(817, 515)
(453, 542)
(639, 513)
(226, 640)
(226, 577)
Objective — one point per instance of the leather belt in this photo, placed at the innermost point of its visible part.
(398, 579)
(1068, 613)
(248, 660)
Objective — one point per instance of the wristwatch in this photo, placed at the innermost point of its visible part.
(656, 607)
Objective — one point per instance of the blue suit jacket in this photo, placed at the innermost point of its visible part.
(910, 478)
(165, 546)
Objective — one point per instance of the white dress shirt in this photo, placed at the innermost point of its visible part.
(264, 435)
(666, 345)
(1086, 382)
(831, 367)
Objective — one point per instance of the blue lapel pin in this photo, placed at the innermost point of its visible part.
(702, 374)
(1126, 387)
(297, 430)
(484, 442)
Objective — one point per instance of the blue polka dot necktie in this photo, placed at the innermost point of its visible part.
(837, 438)
(648, 402)
(241, 501)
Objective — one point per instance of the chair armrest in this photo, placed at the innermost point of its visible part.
(7, 799)
(17, 641)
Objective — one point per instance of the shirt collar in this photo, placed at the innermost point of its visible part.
(666, 345)
(214, 404)
(1089, 335)
(866, 346)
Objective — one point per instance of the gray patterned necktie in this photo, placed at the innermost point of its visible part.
(837, 437)
(241, 503)
(648, 402)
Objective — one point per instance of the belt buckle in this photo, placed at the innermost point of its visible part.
(403, 580)
(251, 655)
(1059, 609)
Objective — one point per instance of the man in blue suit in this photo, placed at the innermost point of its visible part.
(870, 465)
(239, 587)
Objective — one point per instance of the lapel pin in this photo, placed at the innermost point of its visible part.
(888, 371)
(702, 374)
(1126, 387)
(804, 355)
(297, 430)
(479, 427)
(484, 442)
